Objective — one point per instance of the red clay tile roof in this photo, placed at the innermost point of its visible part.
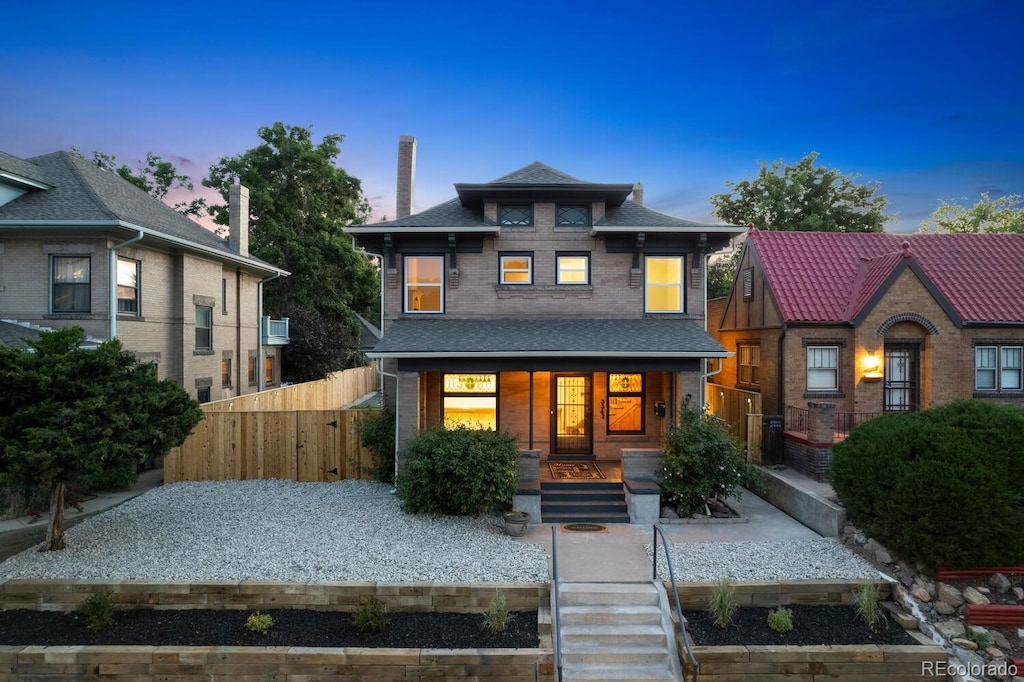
(829, 276)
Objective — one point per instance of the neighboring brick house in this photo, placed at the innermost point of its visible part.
(874, 322)
(562, 311)
(80, 245)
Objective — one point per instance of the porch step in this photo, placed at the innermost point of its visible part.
(583, 501)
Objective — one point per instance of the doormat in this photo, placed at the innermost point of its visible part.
(574, 470)
(584, 528)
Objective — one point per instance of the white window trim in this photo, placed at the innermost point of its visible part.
(210, 328)
(53, 283)
(998, 369)
(138, 287)
(834, 369)
(503, 269)
(559, 270)
(680, 284)
(405, 286)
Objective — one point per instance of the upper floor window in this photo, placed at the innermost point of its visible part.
(515, 214)
(822, 368)
(748, 363)
(576, 215)
(625, 403)
(127, 286)
(998, 368)
(573, 269)
(663, 290)
(253, 366)
(71, 288)
(225, 372)
(204, 327)
(424, 284)
(517, 269)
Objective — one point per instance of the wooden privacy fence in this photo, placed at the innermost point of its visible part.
(309, 445)
(337, 390)
(737, 407)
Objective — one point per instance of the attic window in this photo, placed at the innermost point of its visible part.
(575, 216)
(748, 284)
(518, 214)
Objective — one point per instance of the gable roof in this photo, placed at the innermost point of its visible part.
(832, 277)
(20, 170)
(83, 193)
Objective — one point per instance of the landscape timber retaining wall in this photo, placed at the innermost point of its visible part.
(779, 592)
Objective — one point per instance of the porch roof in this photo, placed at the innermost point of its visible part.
(561, 337)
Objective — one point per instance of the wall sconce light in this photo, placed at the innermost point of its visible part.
(872, 368)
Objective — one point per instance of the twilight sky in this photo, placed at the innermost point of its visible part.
(924, 97)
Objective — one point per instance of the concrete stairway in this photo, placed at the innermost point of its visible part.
(583, 501)
(616, 631)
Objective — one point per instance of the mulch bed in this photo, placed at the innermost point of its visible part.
(292, 627)
(812, 625)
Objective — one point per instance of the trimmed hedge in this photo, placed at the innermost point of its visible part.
(944, 486)
(458, 471)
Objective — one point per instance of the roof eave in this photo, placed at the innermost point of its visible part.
(598, 230)
(24, 181)
(547, 354)
(422, 229)
(473, 194)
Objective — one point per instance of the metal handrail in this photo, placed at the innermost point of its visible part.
(675, 590)
(556, 617)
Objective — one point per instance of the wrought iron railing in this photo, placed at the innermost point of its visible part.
(556, 617)
(847, 421)
(796, 419)
(694, 666)
(275, 332)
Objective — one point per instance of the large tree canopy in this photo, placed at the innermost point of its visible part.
(803, 197)
(300, 203)
(68, 411)
(1003, 214)
(157, 177)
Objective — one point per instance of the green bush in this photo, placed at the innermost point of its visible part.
(259, 622)
(377, 432)
(780, 619)
(496, 618)
(98, 611)
(722, 602)
(458, 471)
(371, 616)
(944, 487)
(702, 461)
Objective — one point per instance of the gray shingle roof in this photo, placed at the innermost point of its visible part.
(449, 214)
(14, 335)
(538, 173)
(16, 166)
(632, 214)
(644, 337)
(82, 191)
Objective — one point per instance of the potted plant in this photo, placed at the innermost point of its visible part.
(515, 522)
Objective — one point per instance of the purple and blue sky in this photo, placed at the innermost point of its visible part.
(924, 97)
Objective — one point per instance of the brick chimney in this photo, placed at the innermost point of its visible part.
(238, 219)
(638, 192)
(406, 175)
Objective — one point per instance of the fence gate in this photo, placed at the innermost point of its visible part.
(771, 439)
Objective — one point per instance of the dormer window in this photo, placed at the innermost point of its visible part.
(515, 214)
(572, 215)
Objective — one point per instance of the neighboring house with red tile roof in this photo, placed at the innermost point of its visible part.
(81, 246)
(875, 322)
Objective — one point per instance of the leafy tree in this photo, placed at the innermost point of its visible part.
(721, 273)
(300, 203)
(156, 177)
(1003, 214)
(67, 412)
(803, 197)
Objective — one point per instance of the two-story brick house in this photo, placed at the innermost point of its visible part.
(562, 311)
(80, 245)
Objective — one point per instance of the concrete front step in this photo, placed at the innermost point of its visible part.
(611, 633)
(618, 674)
(636, 655)
(624, 615)
(607, 594)
(575, 501)
(586, 517)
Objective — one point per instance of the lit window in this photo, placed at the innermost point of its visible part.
(822, 368)
(268, 370)
(625, 403)
(424, 284)
(517, 269)
(71, 290)
(127, 286)
(253, 365)
(204, 327)
(664, 284)
(576, 216)
(748, 361)
(573, 270)
(998, 368)
(225, 372)
(517, 215)
(471, 401)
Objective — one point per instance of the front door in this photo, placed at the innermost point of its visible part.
(901, 378)
(573, 427)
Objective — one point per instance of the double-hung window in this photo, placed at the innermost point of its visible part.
(748, 358)
(625, 403)
(204, 327)
(516, 268)
(127, 287)
(424, 284)
(822, 368)
(573, 269)
(70, 288)
(663, 289)
(998, 368)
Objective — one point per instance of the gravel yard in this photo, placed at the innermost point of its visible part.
(282, 530)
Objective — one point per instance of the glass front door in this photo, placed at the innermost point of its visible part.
(901, 378)
(573, 421)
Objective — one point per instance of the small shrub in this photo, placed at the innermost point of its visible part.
(909, 479)
(377, 432)
(780, 619)
(701, 461)
(259, 622)
(865, 603)
(496, 618)
(371, 616)
(980, 637)
(98, 611)
(458, 471)
(722, 603)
